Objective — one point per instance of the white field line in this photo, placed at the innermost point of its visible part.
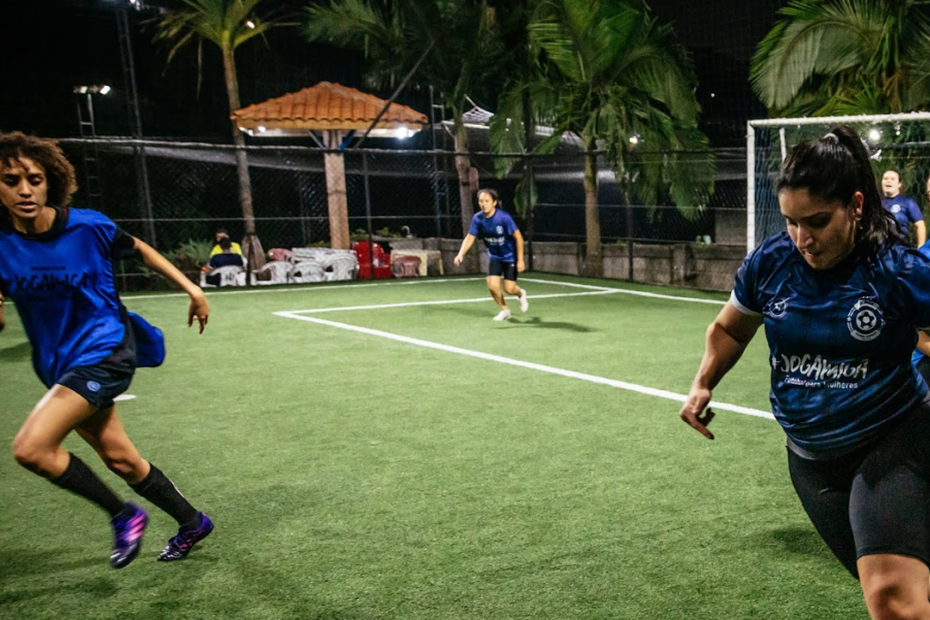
(444, 302)
(625, 291)
(623, 385)
(261, 290)
(258, 291)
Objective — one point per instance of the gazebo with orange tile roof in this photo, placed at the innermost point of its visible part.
(332, 110)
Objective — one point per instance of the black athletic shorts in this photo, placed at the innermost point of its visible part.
(498, 267)
(875, 499)
(100, 383)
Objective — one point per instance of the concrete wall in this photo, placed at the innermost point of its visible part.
(708, 267)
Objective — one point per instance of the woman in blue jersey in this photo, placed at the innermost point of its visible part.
(56, 264)
(842, 304)
(505, 250)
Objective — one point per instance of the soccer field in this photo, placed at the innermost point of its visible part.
(386, 450)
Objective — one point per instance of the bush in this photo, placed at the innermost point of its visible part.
(191, 255)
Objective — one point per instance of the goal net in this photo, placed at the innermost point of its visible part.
(895, 141)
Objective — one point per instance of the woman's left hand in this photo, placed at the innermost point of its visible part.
(521, 266)
(199, 309)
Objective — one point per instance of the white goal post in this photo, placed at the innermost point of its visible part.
(899, 141)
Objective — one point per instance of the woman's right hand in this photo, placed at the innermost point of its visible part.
(693, 412)
(199, 309)
(457, 260)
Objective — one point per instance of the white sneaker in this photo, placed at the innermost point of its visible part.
(524, 302)
(503, 315)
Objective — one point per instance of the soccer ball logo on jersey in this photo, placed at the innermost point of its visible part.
(500, 230)
(865, 320)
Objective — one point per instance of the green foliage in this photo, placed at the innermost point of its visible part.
(360, 234)
(452, 44)
(462, 36)
(608, 72)
(191, 255)
(845, 57)
(226, 23)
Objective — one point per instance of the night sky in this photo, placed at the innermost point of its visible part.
(51, 46)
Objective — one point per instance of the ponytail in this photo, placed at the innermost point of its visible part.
(834, 168)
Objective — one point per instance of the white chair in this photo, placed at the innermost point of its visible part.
(230, 275)
(308, 271)
(274, 272)
(342, 266)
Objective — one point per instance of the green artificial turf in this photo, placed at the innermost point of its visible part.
(352, 476)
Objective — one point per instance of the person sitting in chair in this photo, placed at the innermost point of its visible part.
(222, 233)
(225, 258)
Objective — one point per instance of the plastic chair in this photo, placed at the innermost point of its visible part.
(342, 266)
(229, 275)
(406, 266)
(279, 254)
(274, 272)
(382, 261)
(308, 271)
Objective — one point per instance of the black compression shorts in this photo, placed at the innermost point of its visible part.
(875, 499)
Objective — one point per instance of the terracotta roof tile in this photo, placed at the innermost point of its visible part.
(326, 106)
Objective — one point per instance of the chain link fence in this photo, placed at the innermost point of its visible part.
(176, 195)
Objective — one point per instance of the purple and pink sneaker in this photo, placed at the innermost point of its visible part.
(127, 535)
(179, 546)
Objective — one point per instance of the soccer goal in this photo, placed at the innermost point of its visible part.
(895, 141)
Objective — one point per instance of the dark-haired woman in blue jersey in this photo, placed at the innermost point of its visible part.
(505, 251)
(56, 264)
(842, 304)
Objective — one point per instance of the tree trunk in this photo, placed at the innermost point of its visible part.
(335, 167)
(593, 263)
(251, 246)
(463, 168)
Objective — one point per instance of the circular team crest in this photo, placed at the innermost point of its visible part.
(500, 230)
(896, 208)
(777, 308)
(865, 320)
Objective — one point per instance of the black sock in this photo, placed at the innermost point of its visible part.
(160, 491)
(78, 478)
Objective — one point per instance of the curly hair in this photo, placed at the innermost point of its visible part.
(58, 170)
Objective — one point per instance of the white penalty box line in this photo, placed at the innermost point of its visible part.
(301, 315)
(588, 288)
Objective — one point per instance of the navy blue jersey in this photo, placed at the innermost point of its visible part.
(497, 232)
(63, 285)
(224, 259)
(904, 210)
(840, 339)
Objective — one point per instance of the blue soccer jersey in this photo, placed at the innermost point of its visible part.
(917, 356)
(840, 339)
(497, 232)
(63, 286)
(904, 210)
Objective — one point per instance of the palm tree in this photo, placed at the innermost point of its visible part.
(227, 24)
(837, 57)
(625, 88)
(456, 40)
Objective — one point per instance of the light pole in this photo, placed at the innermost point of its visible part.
(132, 102)
(88, 128)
